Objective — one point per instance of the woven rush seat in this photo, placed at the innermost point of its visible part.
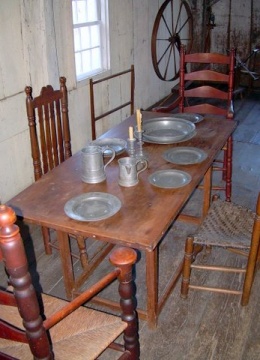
(226, 225)
(91, 331)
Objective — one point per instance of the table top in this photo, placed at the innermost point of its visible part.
(147, 211)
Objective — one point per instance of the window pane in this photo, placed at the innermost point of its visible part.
(95, 35)
(85, 11)
(79, 12)
(92, 13)
(86, 61)
(85, 38)
(96, 58)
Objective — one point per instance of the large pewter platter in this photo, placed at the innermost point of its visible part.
(167, 129)
(186, 138)
(92, 206)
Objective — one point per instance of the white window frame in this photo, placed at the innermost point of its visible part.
(103, 24)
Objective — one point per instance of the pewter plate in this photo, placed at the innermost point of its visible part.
(167, 129)
(92, 206)
(185, 155)
(169, 179)
(119, 145)
(194, 118)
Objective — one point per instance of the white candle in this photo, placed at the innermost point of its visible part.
(138, 119)
(131, 132)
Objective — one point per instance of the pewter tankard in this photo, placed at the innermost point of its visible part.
(92, 162)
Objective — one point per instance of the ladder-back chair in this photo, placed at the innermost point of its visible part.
(226, 226)
(48, 121)
(54, 328)
(210, 79)
(127, 99)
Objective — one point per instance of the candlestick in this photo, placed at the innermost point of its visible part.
(131, 147)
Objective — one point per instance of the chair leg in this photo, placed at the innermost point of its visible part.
(224, 172)
(252, 259)
(228, 167)
(207, 185)
(46, 240)
(188, 258)
(258, 258)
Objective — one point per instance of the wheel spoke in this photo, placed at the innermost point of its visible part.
(167, 64)
(185, 39)
(185, 22)
(167, 27)
(160, 59)
(178, 18)
(172, 16)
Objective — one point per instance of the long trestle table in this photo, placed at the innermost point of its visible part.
(146, 213)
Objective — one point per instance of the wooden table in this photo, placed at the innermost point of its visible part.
(146, 212)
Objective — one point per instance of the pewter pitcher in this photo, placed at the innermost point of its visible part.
(128, 173)
(92, 162)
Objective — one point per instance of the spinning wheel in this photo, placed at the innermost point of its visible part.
(172, 27)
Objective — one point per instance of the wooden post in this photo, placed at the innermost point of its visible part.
(16, 264)
(127, 294)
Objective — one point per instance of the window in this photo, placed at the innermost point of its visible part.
(91, 37)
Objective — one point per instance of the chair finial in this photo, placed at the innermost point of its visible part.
(7, 216)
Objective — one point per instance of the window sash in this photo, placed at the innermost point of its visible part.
(90, 30)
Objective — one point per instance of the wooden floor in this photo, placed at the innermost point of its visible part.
(205, 326)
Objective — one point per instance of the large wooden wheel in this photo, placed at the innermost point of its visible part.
(172, 27)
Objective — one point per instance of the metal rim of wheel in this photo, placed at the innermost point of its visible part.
(171, 29)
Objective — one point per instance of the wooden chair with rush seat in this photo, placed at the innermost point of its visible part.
(48, 121)
(54, 328)
(226, 226)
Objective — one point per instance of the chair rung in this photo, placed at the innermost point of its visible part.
(219, 290)
(217, 168)
(238, 251)
(218, 268)
(215, 187)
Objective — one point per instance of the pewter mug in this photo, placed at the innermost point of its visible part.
(128, 173)
(92, 163)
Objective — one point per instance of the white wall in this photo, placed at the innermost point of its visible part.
(37, 47)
